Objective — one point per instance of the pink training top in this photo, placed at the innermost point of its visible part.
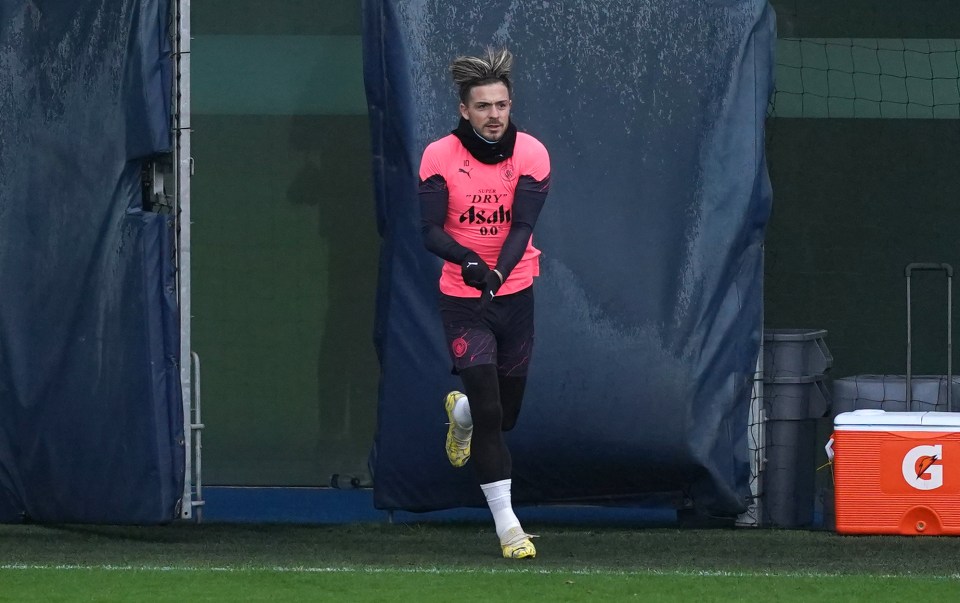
(479, 210)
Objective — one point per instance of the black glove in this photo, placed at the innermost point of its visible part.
(491, 284)
(473, 269)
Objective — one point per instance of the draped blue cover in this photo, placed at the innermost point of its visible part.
(91, 423)
(649, 306)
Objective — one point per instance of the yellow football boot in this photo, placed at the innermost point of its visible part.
(519, 545)
(458, 451)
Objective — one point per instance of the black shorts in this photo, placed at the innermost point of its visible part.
(503, 336)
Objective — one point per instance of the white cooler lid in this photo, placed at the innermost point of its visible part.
(875, 417)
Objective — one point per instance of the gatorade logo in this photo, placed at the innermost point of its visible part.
(918, 468)
(922, 467)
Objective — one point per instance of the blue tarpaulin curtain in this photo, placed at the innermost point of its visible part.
(650, 301)
(91, 421)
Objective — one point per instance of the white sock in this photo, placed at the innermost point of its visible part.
(463, 422)
(498, 499)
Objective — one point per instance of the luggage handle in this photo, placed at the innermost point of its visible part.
(948, 269)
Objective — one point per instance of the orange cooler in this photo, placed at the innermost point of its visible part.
(897, 472)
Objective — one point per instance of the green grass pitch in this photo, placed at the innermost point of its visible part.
(460, 562)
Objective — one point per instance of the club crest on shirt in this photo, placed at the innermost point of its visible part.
(506, 170)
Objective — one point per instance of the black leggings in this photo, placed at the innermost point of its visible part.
(494, 406)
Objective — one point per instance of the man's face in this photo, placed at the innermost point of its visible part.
(488, 110)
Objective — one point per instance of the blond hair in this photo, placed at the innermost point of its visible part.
(469, 72)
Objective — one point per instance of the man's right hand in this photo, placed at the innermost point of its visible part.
(473, 269)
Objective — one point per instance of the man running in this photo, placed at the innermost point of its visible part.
(481, 190)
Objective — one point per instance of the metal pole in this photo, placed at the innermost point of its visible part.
(196, 428)
(183, 171)
(909, 349)
(949, 337)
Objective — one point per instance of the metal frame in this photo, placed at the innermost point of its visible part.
(756, 447)
(948, 269)
(756, 435)
(192, 499)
